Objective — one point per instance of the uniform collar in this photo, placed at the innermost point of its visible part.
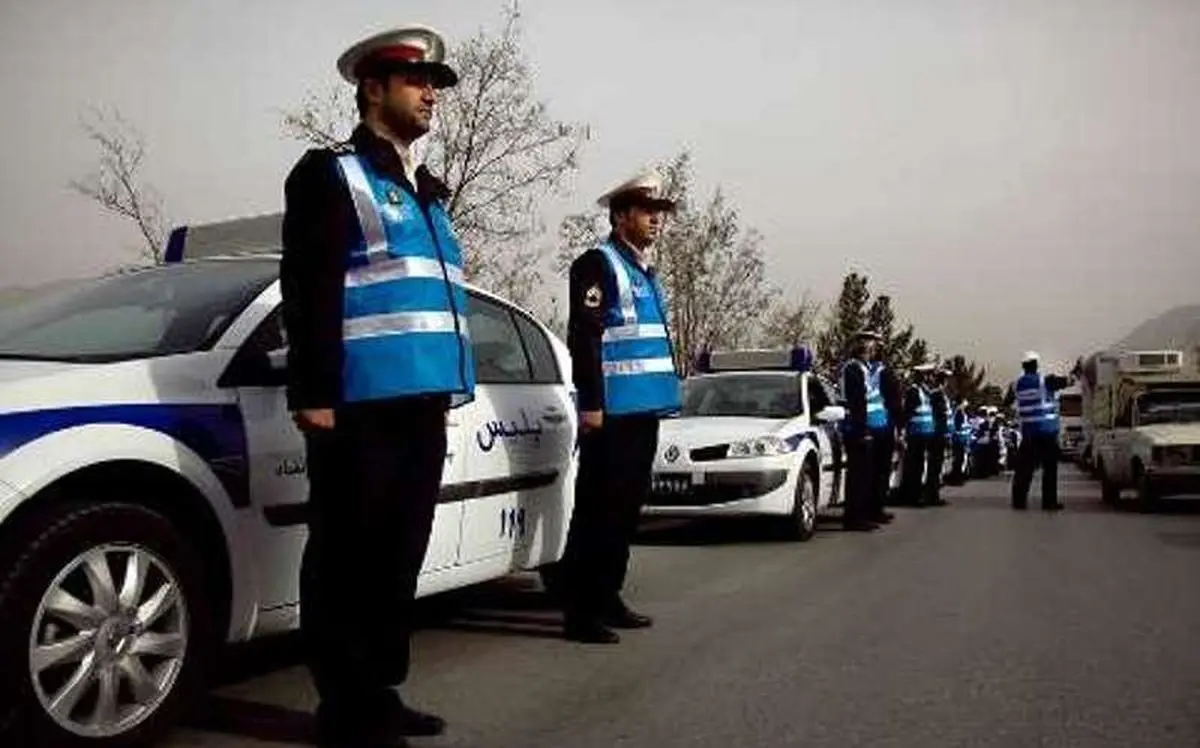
(382, 154)
(635, 257)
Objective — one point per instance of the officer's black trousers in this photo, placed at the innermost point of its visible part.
(883, 449)
(374, 482)
(911, 475)
(1038, 450)
(611, 487)
(860, 479)
(935, 459)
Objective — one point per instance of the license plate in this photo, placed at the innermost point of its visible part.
(671, 484)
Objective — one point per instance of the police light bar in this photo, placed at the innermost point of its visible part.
(797, 359)
(256, 235)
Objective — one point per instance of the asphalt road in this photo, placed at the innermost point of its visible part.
(970, 625)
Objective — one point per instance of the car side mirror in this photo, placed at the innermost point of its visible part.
(831, 414)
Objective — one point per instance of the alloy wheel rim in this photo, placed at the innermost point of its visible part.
(105, 648)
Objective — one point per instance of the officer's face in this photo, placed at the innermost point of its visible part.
(406, 104)
(639, 225)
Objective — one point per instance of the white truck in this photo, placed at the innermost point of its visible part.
(1146, 406)
(1070, 413)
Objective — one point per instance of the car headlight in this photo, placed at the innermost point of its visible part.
(763, 446)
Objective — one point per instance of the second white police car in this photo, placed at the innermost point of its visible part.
(152, 482)
(757, 435)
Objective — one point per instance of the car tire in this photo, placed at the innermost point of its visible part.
(802, 522)
(1147, 497)
(1110, 492)
(69, 635)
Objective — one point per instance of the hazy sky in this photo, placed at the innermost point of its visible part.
(1018, 173)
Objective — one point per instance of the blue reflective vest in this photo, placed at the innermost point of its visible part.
(636, 356)
(404, 328)
(948, 409)
(877, 419)
(920, 422)
(876, 378)
(1036, 406)
(965, 431)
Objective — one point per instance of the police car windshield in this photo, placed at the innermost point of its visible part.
(1174, 407)
(153, 312)
(752, 395)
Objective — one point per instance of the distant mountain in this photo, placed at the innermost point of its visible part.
(1177, 329)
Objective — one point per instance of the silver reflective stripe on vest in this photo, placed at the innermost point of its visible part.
(364, 204)
(624, 286)
(635, 332)
(397, 323)
(397, 268)
(639, 366)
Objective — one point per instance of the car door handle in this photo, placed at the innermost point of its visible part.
(553, 415)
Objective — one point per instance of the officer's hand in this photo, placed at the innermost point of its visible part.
(590, 420)
(314, 419)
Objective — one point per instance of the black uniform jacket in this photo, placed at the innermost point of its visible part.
(938, 400)
(319, 229)
(854, 384)
(588, 291)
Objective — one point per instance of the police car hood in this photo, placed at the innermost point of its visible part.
(39, 385)
(1171, 434)
(704, 431)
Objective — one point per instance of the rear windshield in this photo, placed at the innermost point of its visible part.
(153, 312)
(1070, 405)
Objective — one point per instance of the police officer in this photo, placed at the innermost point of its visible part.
(883, 438)
(1037, 409)
(373, 305)
(866, 414)
(919, 434)
(943, 422)
(962, 439)
(624, 372)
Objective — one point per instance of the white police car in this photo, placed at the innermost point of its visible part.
(152, 483)
(757, 435)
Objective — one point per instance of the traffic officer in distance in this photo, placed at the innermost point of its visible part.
(1037, 410)
(866, 414)
(962, 440)
(624, 372)
(943, 426)
(883, 439)
(374, 308)
(919, 433)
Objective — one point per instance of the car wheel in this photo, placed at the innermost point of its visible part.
(104, 624)
(802, 523)
(1110, 492)
(1147, 497)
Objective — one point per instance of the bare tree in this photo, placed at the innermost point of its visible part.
(495, 146)
(792, 323)
(116, 184)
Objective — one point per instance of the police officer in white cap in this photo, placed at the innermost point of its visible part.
(1037, 410)
(919, 433)
(374, 307)
(625, 376)
(866, 415)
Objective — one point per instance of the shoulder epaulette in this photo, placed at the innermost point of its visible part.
(341, 149)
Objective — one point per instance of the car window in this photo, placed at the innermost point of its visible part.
(499, 354)
(753, 395)
(152, 312)
(541, 354)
